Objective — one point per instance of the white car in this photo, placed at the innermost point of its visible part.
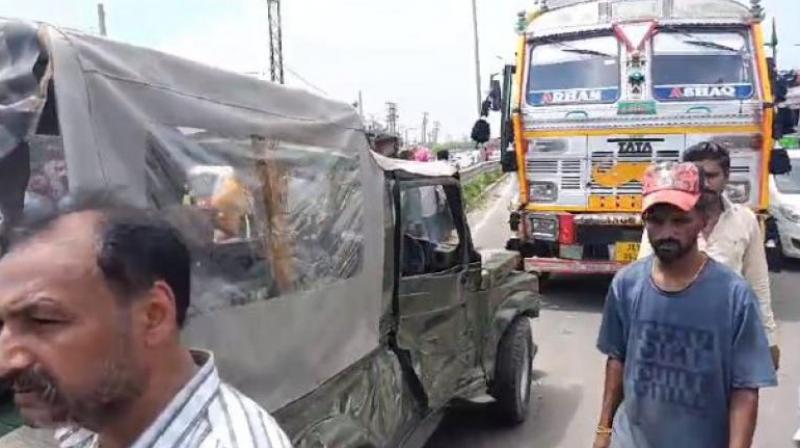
(462, 160)
(784, 206)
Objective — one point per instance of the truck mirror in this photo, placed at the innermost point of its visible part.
(496, 95)
(779, 163)
(481, 131)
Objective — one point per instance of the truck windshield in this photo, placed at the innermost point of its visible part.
(574, 71)
(690, 66)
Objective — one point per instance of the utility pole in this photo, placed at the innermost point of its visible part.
(391, 118)
(101, 19)
(360, 105)
(477, 54)
(435, 132)
(406, 140)
(275, 41)
(424, 133)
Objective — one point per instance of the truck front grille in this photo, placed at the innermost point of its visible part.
(568, 173)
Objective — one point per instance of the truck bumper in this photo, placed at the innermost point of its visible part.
(562, 266)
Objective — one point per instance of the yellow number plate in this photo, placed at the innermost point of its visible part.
(620, 203)
(626, 252)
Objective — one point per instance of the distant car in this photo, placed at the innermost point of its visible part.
(785, 207)
(462, 160)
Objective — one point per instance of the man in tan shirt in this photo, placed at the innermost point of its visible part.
(733, 235)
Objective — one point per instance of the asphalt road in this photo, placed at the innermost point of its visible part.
(568, 371)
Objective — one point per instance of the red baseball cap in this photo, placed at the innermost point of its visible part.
(671, 183)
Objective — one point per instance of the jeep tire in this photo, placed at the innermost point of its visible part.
(512, 380)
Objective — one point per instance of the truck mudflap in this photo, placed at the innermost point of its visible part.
(563, 266)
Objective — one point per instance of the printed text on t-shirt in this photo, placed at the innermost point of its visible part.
(672, 364)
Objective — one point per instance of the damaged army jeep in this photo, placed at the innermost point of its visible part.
(338, 288)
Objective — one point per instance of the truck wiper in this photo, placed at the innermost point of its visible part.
(587, 52)
(570, 49)
(693, 40)
(714, 45)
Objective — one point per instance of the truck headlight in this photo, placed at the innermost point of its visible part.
(544, 227)
(789, 213)
(543, 191)
(738, 192)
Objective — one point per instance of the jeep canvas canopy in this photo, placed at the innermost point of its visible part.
(272, 187)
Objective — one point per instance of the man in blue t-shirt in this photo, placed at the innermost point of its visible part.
(686, 350)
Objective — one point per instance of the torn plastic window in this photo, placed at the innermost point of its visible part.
(263, 217)
(33, 180)
(430, 238)
(22, 99)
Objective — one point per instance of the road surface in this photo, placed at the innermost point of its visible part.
(568, 371)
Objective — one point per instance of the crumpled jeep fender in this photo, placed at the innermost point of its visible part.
(520, 300)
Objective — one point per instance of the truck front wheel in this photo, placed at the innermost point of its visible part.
(512, 381)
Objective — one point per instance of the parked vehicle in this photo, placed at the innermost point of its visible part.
(329, 295)
(604, 88)
(463, 160)
(785, 207)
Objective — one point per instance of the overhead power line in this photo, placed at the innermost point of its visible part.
(305, 81)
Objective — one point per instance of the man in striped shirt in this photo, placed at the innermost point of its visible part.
(91, 309)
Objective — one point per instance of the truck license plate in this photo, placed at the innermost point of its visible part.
(626, 252)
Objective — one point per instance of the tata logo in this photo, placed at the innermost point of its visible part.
(704, 92)
(572, 96)
(635, 147)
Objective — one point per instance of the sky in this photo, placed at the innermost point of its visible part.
(417, 53)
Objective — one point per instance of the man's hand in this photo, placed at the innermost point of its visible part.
(612, 397)
(776, 356)
(602, 441)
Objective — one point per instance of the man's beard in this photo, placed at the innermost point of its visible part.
(120, 383)
(711, 198)
(669, 250)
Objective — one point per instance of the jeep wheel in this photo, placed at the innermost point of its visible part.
(512, 380)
